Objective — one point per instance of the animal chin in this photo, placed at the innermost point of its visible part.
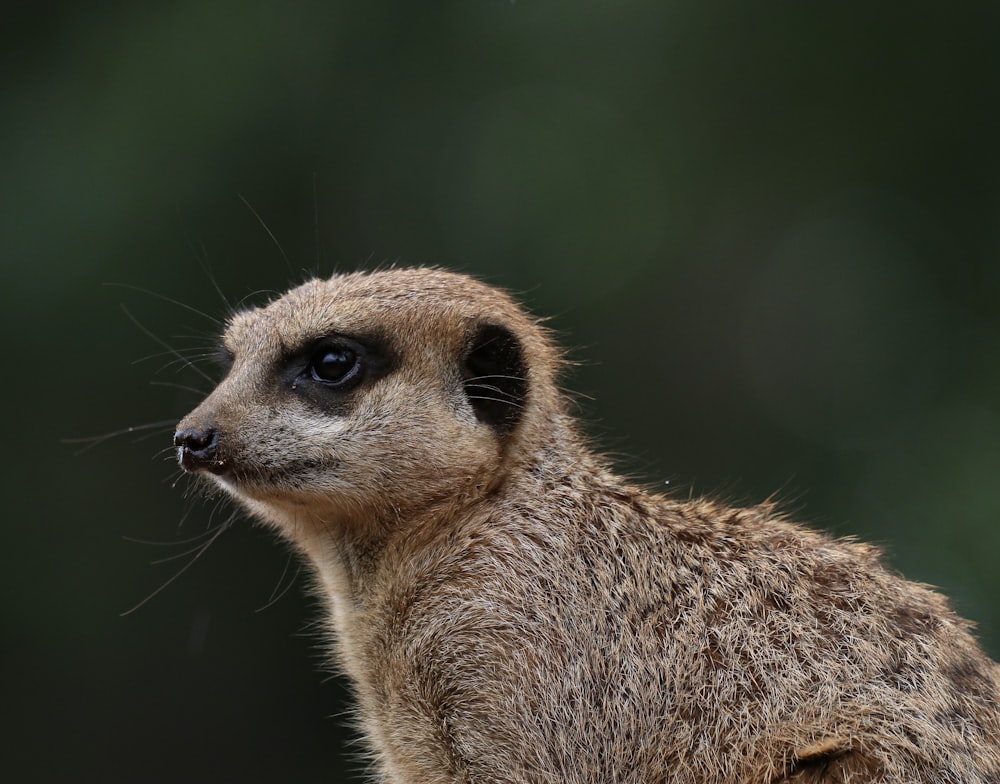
(259, 486)
(239, 482)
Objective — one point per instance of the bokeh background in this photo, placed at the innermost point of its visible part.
(769, 232)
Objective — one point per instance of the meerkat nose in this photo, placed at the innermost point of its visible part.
(197, 448)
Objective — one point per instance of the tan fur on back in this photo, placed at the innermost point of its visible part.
(508, 609)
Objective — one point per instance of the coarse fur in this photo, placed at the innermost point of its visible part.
(508, 609)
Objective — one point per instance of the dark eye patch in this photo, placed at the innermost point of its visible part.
(329, 368)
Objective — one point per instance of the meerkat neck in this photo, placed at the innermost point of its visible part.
(348, 553)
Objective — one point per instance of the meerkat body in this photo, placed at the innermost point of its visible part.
(510, 610)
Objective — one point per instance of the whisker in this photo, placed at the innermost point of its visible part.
(199, 552)
(494, 375)
(316, 239)
(91, 441)
(221, 503)
(167, 453)
(167, 346)
(275, 596)
(488, 388)
(157, 434)
(184, 362)
(175, 543)
(258, 292)
(174, 385)
(270, 234)
(192, 352)
(165, 298)
(202, 259)
(187, 513)
(176, 556)
(495, 400)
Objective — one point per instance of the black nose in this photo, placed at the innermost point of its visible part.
(197, 448)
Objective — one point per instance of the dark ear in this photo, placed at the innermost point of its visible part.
(495, 377)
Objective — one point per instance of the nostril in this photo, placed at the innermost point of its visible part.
(197, 447)
(195, 437)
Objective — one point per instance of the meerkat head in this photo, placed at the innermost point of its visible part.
(369, 394)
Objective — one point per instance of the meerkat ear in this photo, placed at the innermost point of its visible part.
(495, 377)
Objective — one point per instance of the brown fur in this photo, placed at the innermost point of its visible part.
(509, 609)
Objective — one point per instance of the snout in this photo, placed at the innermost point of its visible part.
(198, 449)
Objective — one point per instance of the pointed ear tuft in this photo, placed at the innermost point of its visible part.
(495, 376)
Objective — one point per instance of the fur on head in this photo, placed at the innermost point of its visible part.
(371, 393)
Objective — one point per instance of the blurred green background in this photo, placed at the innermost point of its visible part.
(768, 231)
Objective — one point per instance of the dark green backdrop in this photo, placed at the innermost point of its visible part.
(769, 231)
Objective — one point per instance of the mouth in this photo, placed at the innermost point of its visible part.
(288, 478)
(194, 463)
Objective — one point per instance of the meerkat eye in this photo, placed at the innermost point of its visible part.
(335, 365)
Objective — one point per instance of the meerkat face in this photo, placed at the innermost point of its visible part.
(364, 394)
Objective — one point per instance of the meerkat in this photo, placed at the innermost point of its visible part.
(508, 609)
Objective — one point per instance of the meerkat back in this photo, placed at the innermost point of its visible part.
(508, 609)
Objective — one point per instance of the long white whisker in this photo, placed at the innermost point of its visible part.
(275, 595)
(91, 441)
(200, 551)
(167, 346)
(270, 234)
(174, 385)
(494, 375)
(495, 400)
(165, 298)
